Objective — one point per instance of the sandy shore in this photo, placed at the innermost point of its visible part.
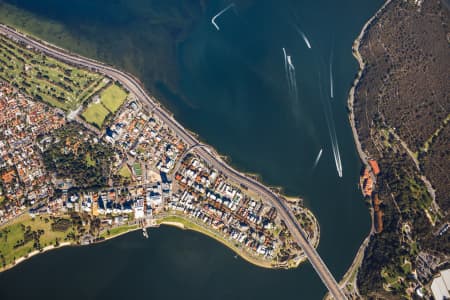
(174, 224)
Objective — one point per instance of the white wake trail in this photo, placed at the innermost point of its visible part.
(332, 132)
(303, 35)
(292, 77)
(289, 61)
(305, 39)
(337, 156)
(319, 155)
(335, 145)
(286, 70)
(213, 20)
(331, 82)
(334, 142)
(331, 76)
(285, 59)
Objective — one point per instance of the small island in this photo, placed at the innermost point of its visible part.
(83, 159)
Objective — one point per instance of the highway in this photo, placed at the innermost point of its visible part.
(205, 152)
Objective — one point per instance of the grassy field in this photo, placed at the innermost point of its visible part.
(186, 223)
(12, 233)
(137, 169)
(113, 97)
(406, 267)
(45, 78)
(96, 114)
(125, 171)
(118, 230)
(89, 161)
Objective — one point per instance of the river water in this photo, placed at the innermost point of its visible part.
(230, 87)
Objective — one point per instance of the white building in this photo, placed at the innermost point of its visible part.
(139, 209)
(441, 286)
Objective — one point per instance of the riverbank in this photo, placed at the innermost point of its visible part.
(184, 223)
(125, 229)
(348, 282)
(351, 98)
(178, 222)
(28, 235)
(33, 253)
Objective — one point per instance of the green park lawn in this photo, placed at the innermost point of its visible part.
(89, 161)
(113, 97)
(118, 230)
(125, 171)
(137, 169)
(12, 233)
(95, 114)
(46, 79)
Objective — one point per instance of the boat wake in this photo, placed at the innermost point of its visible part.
(291, 78)
(331, 130)
(213, 20)
(303, 35)
(316, 162)
(331, 75)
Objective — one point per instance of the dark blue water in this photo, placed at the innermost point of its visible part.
(229, 86)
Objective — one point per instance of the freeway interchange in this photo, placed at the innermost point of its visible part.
(205, 152)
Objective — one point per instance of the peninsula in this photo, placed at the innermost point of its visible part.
(90, 155)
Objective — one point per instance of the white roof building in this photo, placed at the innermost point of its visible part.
(139, 209)
(446, 277)
(441, 286)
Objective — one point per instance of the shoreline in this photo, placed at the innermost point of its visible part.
(117, 235)
(359, 257)
(62, 245)
(351, 97)
(34, 253)
(247, 257)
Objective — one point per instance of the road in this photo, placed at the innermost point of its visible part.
(135, 87)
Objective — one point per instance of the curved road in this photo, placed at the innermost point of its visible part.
(133, 85)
